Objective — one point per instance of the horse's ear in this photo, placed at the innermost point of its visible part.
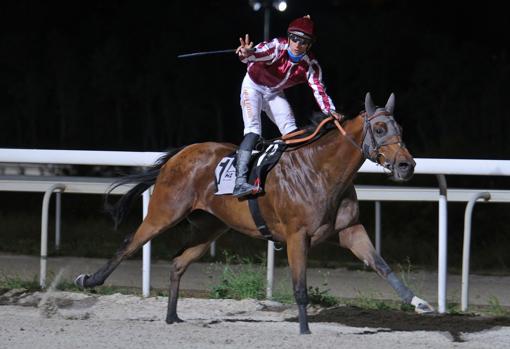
(390, 105)
(369, 104)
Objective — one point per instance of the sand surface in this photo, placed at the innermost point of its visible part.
(79, 320)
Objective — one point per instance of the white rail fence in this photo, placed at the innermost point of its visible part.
(373, 193)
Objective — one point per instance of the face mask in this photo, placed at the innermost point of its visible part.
(295, 58)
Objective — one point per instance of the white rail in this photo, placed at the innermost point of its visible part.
(423, 166)
(127, 158)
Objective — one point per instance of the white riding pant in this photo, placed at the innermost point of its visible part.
(256, 98)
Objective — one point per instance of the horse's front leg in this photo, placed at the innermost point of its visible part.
(356, 239)
(297, 254)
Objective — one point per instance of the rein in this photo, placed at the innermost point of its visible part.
(368, 151)
(310, 137)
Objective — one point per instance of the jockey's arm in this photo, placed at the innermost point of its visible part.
(319, 90)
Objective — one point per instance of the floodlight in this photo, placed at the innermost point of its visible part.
(280, 5)
(256, 5)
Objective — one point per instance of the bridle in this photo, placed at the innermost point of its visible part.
(371, 146)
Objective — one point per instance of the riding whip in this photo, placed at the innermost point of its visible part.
(204, 53)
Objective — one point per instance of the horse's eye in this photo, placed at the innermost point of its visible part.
(380, 129)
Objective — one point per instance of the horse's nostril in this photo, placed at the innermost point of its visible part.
(404, 165)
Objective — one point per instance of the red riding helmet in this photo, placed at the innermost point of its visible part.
(302, 26)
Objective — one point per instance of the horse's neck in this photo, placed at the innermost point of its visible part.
(347, 148)
(337, 158)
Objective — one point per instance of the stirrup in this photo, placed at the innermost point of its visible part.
(245, 189)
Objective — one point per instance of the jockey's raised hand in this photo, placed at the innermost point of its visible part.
(246, 47)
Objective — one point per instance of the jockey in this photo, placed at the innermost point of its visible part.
(274, 66)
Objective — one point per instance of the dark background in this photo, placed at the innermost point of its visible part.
(104, 75)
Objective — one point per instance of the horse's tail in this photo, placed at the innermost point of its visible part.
(143, 181)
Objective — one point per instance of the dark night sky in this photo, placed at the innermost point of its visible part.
(104, 74)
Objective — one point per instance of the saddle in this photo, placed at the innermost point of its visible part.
(261, 163)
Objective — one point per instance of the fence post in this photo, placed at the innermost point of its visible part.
(146, 268)
(378, 227)
(467, 245)
(443, 246)
(270, 269)
(44, 231)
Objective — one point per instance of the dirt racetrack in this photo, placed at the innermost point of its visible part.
(78, 320)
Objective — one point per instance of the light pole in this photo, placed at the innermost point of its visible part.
(281, 6)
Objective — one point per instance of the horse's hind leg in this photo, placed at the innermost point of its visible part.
(205, 229)
(356, 239)
(163, 213)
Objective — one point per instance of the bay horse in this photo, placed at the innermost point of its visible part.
(309, 197)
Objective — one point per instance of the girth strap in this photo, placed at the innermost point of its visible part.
(258, 219)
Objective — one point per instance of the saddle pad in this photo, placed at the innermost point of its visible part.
(225, 175)
(225, 172)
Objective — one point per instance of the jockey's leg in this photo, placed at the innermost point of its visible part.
(243, 156)
(279, 111)
(356, 239)
(251, 104)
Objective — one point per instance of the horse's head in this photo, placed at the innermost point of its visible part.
(382, 140)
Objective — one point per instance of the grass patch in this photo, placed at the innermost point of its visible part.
(14, 282)
(240, 279)
(370, 301)
(495, 308)
(320, 297)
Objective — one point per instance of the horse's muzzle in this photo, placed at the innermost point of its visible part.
(403, 170)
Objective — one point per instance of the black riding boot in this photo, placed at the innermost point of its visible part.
(242, 188)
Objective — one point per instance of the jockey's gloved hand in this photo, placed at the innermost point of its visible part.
(336, 115)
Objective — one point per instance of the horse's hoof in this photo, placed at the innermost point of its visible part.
(80, 280)
(173, 320)
(421, 306)
(305, 332)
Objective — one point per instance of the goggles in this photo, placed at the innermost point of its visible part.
(299, 39)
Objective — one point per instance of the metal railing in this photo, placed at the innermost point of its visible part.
(424, 166)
